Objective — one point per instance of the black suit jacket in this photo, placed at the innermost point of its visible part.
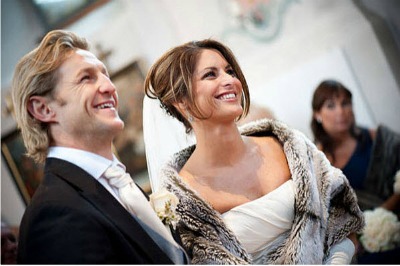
(73, 219)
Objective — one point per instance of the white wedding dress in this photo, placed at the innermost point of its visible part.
(259, 222)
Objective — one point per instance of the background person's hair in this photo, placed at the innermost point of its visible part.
(36, 74)
(326, 90)
(170, 78)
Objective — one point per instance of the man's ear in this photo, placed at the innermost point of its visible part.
(39, 108)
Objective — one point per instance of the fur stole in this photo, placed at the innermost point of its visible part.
(326, 208)
(384, 163)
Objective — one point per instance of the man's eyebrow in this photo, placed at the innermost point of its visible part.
(84, 69)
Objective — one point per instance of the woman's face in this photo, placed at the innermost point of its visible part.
(217, 90)
(336, 114)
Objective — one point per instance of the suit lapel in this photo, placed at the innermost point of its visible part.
(100, 198)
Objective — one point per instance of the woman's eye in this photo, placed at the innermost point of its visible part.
(346, 104)
(209, 74)
(231, 72)
(330, 105)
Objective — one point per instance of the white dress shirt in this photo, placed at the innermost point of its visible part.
(92, 163)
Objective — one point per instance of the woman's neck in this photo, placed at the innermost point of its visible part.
(341, 139)
(218, 146)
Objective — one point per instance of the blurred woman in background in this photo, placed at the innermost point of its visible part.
(369, 158)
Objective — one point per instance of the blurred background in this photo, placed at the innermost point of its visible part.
(285, 48)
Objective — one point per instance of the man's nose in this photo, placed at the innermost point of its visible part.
(106, 85)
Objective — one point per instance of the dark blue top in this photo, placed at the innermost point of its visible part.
(356, 168)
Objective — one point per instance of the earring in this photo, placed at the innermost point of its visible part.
(319, 120)
(190, 117)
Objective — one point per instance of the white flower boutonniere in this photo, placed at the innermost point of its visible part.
(382, 230)
(164, 204)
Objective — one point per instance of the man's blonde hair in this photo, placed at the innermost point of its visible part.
(36, 74)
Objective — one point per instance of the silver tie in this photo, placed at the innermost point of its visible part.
(136, 203)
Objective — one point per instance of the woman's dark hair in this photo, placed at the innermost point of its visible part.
(326, 90)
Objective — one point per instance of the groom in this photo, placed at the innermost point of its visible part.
(66, 107)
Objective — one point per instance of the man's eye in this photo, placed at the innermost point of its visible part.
(86, 77)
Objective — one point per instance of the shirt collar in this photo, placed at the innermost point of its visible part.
(92, 163)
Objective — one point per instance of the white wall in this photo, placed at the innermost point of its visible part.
(311, 31)
(314, 31)
(317, 39)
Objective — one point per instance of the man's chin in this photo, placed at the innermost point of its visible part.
(119, 124)
(119, 128)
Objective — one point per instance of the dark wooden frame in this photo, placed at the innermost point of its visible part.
(24, 171)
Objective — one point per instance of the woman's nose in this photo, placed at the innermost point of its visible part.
(227, 79)
(340, 109)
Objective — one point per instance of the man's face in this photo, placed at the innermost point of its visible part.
(85, 103)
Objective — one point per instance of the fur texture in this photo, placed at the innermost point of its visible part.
(326, 208)
(384, 163)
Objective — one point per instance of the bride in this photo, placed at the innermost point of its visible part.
(260, 194)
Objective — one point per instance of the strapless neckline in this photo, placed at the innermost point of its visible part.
(259, 223)
(262, 198)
